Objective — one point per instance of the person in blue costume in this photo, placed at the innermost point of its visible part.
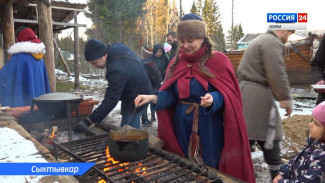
(126, 78)
(199, 107)
(24, 76)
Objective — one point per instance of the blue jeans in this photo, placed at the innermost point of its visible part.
(135, 121)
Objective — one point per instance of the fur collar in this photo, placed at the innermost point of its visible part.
(27, 47)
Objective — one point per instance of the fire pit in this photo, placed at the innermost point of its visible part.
(56, 104)
(157, 166)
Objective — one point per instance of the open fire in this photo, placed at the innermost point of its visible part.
(157, 166)
(122, 167)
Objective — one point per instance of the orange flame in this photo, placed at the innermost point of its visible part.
(53, 134)
(111, 161)
(101, 181)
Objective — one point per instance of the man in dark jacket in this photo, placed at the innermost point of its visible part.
(160, 59)
(172, 40)
(126, 79)
(317, 70)
(154, 75)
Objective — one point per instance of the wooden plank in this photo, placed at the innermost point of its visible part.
(61, 8)
(53, 23)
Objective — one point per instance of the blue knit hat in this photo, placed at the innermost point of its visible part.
(191, 16)
(95, 49)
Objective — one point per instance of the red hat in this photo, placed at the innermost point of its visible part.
(28, 35)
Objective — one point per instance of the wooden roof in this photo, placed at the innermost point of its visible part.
(248, 38)
(25, 13)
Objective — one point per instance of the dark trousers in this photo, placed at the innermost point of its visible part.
(144, 116)
(271, 157)
(152, 110)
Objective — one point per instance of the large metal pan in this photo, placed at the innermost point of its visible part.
(127, 145)
(55, 104)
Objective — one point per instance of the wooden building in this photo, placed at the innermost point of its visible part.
(46, 18)
(297, 61)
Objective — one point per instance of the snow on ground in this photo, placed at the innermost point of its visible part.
(93, 83)
(300, 107)
(15, 148)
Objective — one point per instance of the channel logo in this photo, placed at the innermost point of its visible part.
(287, 21)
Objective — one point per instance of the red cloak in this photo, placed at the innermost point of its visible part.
(236, 158)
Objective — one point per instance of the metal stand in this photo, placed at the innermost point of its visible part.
(29, 125)
(29, 121)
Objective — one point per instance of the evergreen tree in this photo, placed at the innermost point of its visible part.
(237, 33)
(211, 16)
(66, 44)
(115, 21)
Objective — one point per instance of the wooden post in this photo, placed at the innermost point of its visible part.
(76, 52)
(62, 59)
(46, 35)
(8, 28)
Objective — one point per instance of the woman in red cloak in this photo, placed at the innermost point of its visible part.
(199, 105)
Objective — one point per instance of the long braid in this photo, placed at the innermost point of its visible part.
(205, 58)
(171, 69)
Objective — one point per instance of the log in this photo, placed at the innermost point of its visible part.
(8, 28)
(61, 58)
(46, 35)
(76, 52)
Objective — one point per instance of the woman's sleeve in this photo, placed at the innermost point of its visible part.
(217, 102)
(165, 99)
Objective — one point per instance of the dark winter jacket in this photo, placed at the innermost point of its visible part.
(173, 51)
(161, 62)
(308, 166)
(318, 68)
(126, 80)
(152, 72)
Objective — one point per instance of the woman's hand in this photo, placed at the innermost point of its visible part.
(207, 100)
(144, 99)
(277, 178)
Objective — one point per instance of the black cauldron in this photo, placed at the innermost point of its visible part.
(127, 145)
(55, 104)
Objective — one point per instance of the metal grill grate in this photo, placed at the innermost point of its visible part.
(158, 166)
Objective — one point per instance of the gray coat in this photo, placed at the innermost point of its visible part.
(262, 78)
